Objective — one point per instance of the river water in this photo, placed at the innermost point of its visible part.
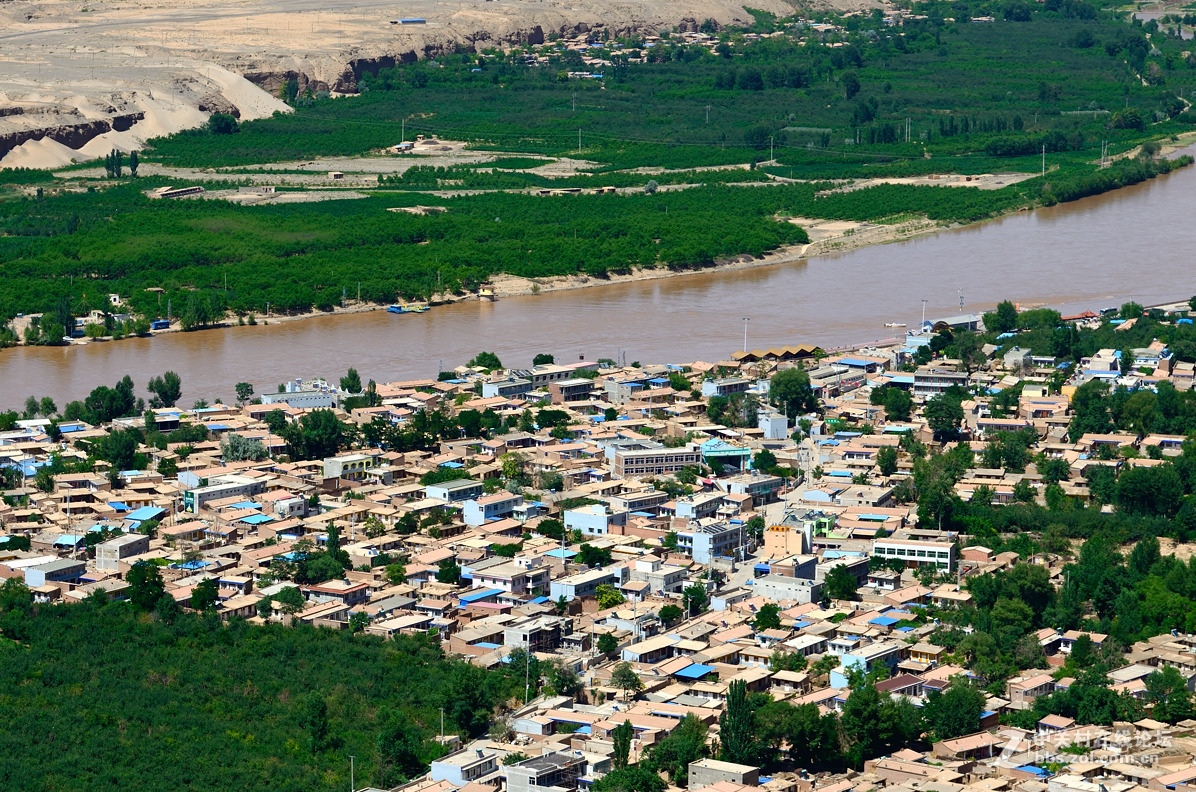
(1136, 243)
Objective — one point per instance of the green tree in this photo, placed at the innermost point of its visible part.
(635, 778)
(1003, 320)
(351, 382)
(623, 676)
(669, 614)
(695, 599)
(943, 415)
(291, 601)
(145, 585)
(244, 391)
(840, 583)
(956, 711)
(222, 124)
(1150, 491)
(851, 84)
(686, 743)
(486, 360)
(621, 737)
(168, 388)
(399, 744)
(737, 738)
(607, 643)
(396, 574)
(898, 404)
(542, 359)
(768, 617)
(449, 572)
(205, 595)
(608, 596)
(314, 721)
(791, 392)
(886, 460)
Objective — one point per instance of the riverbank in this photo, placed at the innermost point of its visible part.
(826, 236)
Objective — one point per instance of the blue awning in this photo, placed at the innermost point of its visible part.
(695, 671)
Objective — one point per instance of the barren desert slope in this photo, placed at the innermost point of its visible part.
(80, 78)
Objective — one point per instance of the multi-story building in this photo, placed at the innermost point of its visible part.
(779, 587)
(351, 467)
(109, 554)
(454, 491)
(661, 578)
(707, 542)
(930, 381)
(517, 576)
(570, 390)
(491, 507)
(653, 459)
(727, 386)
(552, 771)
(465, 766)
(584, 584)
(595, 519)
(916, 553)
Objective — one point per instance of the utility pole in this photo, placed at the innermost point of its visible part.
(707, 114)
(352, 774)
(923, 317)
(1044, 159)
(527, 674)
(442, 725)
(575, 101)
(746, 319)
(961, 300)
(771, 157)
(579, 142)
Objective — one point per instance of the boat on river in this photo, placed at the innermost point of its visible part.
(894, 324)
(404, 308)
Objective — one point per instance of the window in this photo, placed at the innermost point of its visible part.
(921, 554)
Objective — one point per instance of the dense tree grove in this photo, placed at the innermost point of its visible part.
(273, 707)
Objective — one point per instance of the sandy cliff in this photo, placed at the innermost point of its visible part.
(80, 78)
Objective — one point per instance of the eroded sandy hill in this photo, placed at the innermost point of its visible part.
(80, 78)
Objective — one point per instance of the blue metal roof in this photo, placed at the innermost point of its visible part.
(256, 519)
(763, 568)
(453, 465)
(477, 596)
(540, 600)
(119, 506)
(485, 645)
(245, 505)
(145, 513)
(1038, 771)
(558, 552)
(695, 671)
(884, 621)
(855, 362)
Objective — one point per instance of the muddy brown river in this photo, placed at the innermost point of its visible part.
(1137, 243)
